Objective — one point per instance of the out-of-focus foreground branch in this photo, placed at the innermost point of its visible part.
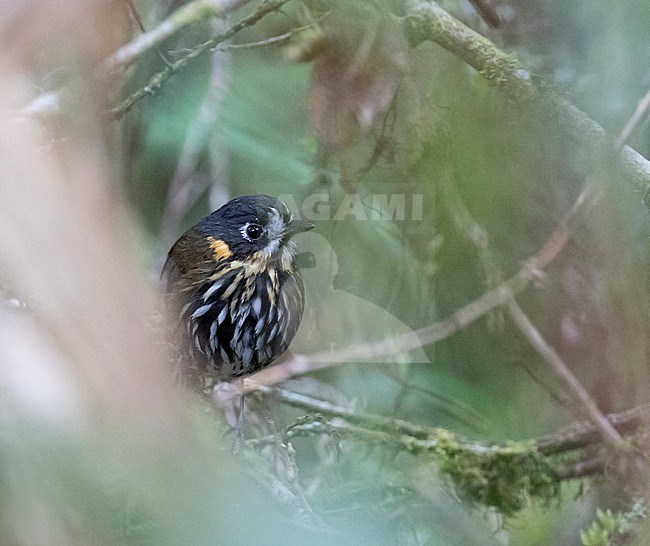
(97, 445)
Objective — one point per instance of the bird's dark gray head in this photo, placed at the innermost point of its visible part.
(255, 226)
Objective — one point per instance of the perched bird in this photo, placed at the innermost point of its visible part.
(233, 289)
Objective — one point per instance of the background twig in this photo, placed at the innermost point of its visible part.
(427, 335)
(640, 112)
(186, 15)
(533, 335)
(157, 80)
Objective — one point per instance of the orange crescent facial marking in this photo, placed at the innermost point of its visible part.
(220, 249)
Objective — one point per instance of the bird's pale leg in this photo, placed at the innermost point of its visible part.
(239, 427)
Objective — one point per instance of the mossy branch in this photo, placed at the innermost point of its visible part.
(427, 21)
(502, 475)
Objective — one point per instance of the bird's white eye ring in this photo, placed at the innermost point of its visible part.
(252, 232)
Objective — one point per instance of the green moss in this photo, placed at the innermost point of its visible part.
(505, 477)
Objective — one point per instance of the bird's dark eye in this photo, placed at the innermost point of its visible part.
(254, 231)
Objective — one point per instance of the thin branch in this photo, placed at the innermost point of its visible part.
(463, 317)
(157, 80)
(427, 21)
(305, 402)
(470, 228)
(487, 11)
(261, 43)
(184, 16)
(418, 437)
(397, 433)
(359, 433)
(136, 15)
(639, 113)
(581, 435)
(273, 39)
(574, 437)
(608, 432)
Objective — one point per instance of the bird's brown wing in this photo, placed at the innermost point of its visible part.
(187, 261)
